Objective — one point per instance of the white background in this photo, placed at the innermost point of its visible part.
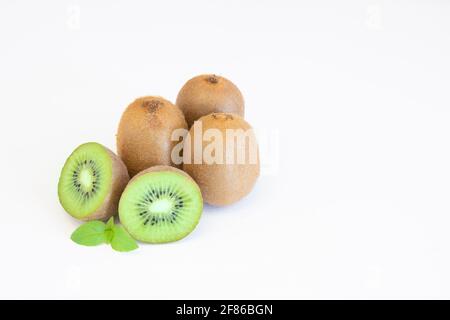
(358, 205)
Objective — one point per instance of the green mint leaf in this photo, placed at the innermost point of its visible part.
(109, 234)
(109, 231)
(90, 234)
(110, 224)
(122, 241)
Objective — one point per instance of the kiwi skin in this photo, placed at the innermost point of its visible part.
(119, 181)
(222, 184)
(209, 93)
(144, 134)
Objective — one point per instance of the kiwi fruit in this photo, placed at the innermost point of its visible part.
(91, 182)
(207, 94)
(144, 134)
(160, 204)
(229, 177)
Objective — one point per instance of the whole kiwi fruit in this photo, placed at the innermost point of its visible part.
(209, 93)
(144, 134)
(221, 154)
(91, 182)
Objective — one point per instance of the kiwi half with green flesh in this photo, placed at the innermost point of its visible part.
(91, 182)
(225, 182)
(209, 93)
(144, 134)
(161, 204)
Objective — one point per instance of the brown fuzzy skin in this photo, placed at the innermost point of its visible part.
(144, 135)
(207, 94)
(119, 181)
(222, 184)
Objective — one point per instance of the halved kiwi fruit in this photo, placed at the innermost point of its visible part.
(91, 182)
(233, 169)
(209, 93)
(160, 204)
(144, 134)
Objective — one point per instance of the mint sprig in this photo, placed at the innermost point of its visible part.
(94, 233)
